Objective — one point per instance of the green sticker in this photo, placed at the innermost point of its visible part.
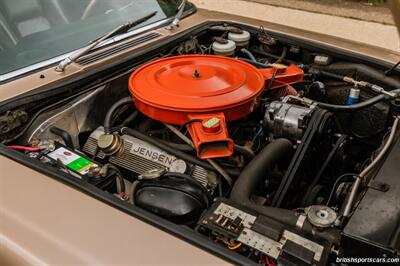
(80, 165)
(72, 160)
(212, 122)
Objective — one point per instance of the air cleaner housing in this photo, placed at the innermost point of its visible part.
(204, 92)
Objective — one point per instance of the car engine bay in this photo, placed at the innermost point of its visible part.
(256, 144)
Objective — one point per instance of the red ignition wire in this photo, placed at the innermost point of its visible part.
(24, 148)
(269, 261)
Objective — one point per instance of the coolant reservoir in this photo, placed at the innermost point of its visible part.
(223, 47)
(241, 38)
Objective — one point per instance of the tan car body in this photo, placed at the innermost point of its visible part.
(43, 221)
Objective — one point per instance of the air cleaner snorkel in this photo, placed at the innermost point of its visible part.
(210, 135)
(204, 92)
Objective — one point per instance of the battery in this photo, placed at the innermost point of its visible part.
(79, 166)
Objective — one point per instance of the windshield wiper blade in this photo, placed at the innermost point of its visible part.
(118, 30)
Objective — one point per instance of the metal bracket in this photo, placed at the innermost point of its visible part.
(177, 19)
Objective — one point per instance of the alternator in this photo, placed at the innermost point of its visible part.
(284, 120)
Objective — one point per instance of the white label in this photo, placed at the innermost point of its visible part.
(64, 155)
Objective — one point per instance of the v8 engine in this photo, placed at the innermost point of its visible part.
(256, 144)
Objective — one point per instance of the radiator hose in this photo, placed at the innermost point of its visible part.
(256, 172)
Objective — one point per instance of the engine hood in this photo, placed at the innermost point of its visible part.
(395, 8)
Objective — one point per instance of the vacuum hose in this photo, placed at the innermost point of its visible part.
(112, 110)
(363, 71)
(354, 107)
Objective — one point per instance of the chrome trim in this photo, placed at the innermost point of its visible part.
(57, 59)
(92, 45)
(130, 43)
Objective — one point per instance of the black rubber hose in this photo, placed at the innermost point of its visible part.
(146, 125)
(247, 153)
(339, 77)
(66, 137)
(130, 119)
(107, 120)
(346, 69)
(173, 151)
(118, 175)
(256, 172)
(276, 57)
(327, 74)
(343, 67)
(353, 107)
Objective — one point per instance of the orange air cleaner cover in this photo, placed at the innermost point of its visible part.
(170, 89)
(206, 90)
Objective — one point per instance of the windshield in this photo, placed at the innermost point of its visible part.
(36, 30)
